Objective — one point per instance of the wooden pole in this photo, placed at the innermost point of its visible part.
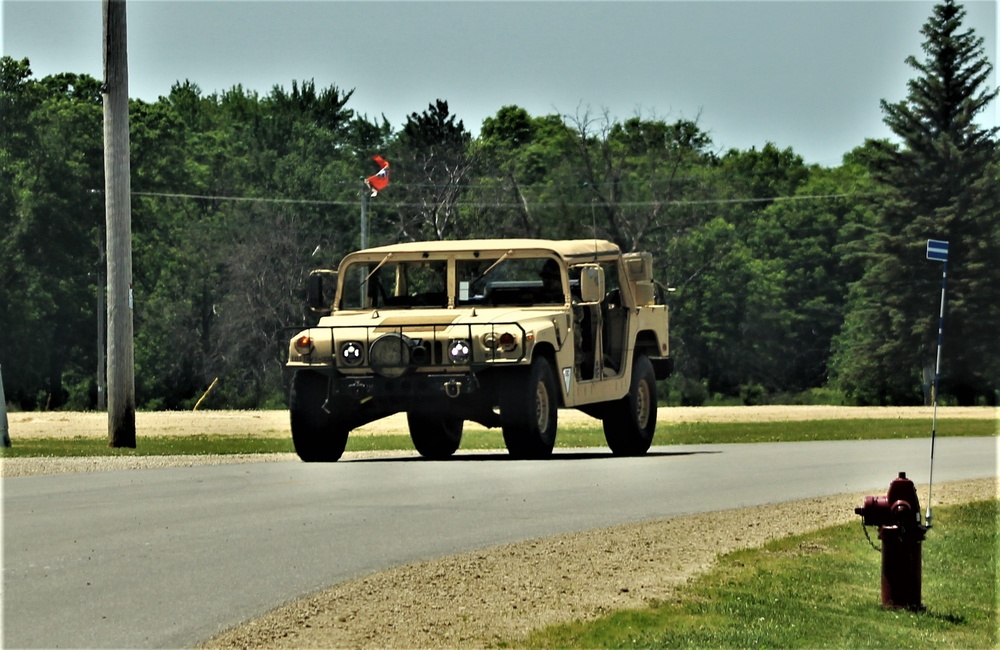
(365, 189)
(364, 215)
(4, 429)
(102, 346)
(117, 196)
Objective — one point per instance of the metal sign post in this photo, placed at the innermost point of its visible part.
(937, 251)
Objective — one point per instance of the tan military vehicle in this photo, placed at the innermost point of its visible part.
(501, 332)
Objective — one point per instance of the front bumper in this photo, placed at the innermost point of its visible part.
(409, 388)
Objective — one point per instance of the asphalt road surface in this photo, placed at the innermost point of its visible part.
(170, 557)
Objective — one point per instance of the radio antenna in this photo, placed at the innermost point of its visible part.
(593, 226)
(937, 251)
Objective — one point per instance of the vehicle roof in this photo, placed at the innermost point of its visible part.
(566, 248)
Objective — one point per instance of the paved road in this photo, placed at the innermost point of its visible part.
(169, 557)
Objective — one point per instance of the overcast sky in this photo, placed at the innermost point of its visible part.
(805, 74)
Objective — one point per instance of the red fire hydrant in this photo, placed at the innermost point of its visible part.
(897, 516)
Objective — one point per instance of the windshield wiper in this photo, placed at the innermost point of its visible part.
(492, 266)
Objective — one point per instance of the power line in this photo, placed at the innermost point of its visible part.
(543, 204)
(247, 199)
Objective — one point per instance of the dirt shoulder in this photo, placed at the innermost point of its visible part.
(275, 423)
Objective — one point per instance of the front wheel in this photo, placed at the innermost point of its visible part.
(630, 422)
(316, 432)
(529, 410)
(435, 436)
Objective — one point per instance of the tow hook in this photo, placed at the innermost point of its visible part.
(452, 388)
(358, 389)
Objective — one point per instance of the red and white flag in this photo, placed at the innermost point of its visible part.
(380, 180)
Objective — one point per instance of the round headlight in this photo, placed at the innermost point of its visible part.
(459, 351)
(389, 356)
(352, 353)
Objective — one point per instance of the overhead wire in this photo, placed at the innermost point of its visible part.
(494, 204)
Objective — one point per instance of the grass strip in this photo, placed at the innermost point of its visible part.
(702, 433)
(819, 590)
(695, 433)
(196, 445)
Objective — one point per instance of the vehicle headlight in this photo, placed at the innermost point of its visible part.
(352, 353)
(390, 355)
(459, 351)
(505, 342)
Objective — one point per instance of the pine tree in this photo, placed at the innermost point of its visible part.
(942, 183)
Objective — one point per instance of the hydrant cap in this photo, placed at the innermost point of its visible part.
(902, 491)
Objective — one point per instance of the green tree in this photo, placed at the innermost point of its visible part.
(941, 183)
(219, 278)
(431, 165)
(51, 164)
(804, 234)
(525, 185)
(634, 174)
(726, 320)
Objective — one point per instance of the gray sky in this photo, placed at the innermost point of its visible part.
(806, 74)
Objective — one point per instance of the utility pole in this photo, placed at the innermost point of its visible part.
(102, 346)
(365, 189)
(117, 197)
(4, 430)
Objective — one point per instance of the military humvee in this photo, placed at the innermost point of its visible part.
(501, 332)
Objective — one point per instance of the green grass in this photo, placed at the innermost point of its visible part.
(700, 433)
(198, 445)
(713, 432)
(819, 590)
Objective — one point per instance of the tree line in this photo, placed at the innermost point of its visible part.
(783, 276)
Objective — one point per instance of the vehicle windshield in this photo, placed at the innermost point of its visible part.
(396, 285)
(514, 282)
(486, 281)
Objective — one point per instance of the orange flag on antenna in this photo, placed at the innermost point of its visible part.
(380, 180)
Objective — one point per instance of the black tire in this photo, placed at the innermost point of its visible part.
(435, 436)
(316, 434)
(630, 422)
(529, 407)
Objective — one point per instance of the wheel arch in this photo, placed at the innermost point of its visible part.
(648, 344)
(545, 350)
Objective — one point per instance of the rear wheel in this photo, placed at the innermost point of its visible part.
(434, 436)
(316, 433)
(529, 411)
(630, 422)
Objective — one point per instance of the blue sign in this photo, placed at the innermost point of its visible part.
(937, 250)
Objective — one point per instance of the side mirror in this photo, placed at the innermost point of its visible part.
(591, 284)
(318, 302)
